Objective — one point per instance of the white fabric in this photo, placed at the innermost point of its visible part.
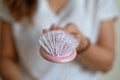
(26, 35)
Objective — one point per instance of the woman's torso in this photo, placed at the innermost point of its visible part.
(26, 36)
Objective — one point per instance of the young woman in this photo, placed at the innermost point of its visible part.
(91, 21)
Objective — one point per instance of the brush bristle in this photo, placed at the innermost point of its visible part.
(58, 43)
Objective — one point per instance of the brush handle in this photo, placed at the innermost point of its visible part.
(54, 59)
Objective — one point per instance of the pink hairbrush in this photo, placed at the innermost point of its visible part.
(58, 46)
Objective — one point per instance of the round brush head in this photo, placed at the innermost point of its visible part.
(58, 46)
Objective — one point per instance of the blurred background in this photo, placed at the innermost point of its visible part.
(114, 74)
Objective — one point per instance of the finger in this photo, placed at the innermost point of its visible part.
(71, 29)
(69, 24)
(54, 27)
(45, 30)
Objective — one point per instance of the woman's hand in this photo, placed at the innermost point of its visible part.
(72, 29)
(99, 56)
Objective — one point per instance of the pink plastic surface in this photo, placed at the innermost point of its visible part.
(56, 59)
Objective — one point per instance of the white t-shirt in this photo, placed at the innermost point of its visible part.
(86, 14)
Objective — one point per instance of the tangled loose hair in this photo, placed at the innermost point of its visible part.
(21, 8)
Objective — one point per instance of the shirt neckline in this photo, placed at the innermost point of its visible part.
(61, 13)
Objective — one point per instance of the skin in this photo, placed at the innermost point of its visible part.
(9, 69)
(99, 56)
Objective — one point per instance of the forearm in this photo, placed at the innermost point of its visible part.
(97, 58)
(9, 70)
